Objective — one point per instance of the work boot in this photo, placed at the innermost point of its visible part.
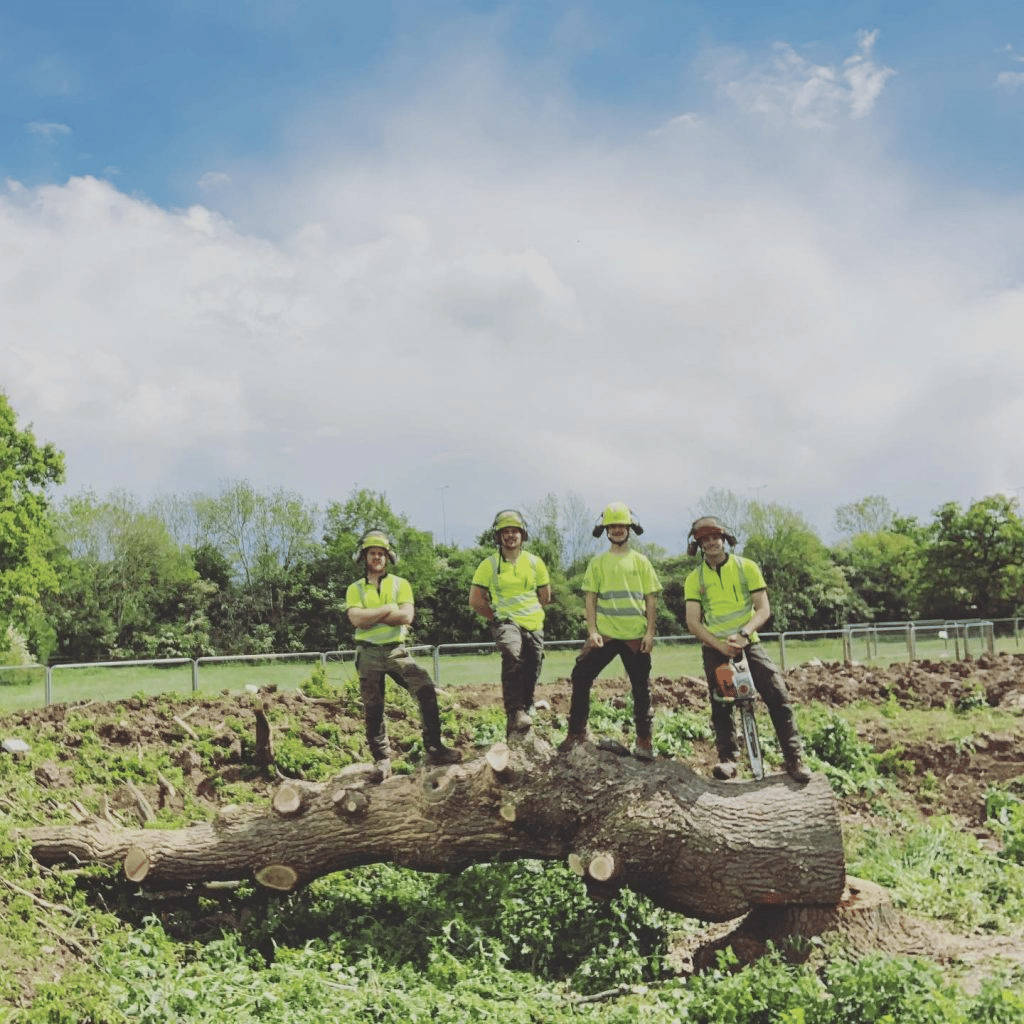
(441, 755)
(384, 767)
(790, 742)
(574, 739)
(798, 771)
(643, 750)
(437, 752)
(725, 770)
(518, 721)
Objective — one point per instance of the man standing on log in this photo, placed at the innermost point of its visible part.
(510, 589)
(380, 606)
(620, 588)
(726, 603)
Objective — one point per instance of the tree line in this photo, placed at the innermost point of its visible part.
(101, 577)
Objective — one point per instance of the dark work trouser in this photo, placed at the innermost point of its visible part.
(588, 667)
(522, 654)
(373, 663)
(770, 685)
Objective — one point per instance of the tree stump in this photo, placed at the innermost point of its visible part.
(864, 919)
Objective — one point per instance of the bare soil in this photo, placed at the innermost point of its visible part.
(957, 774)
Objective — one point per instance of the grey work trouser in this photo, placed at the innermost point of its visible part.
(770, 685)
(373, 663)
(522, 654)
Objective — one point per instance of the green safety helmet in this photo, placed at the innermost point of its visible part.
(707, 526)
(617, 514)
(375, 539)
(509, 517)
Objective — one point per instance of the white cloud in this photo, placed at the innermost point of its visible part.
(47, 131)
(213, 180)
(814, 95)
(1010, 80)
(637, 319)
(865, 79)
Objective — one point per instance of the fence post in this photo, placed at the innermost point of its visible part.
(195, 675)
(782, 651)
(847, 646)
(911, 647)
(437, 666)
(48, 677)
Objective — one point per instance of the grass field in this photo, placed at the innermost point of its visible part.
(26, 687)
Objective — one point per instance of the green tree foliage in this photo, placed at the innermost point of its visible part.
(673, 572)
(883, 568)
(27, 575)
(451, 620)
(127, 589)
(973, 560)
(872, 514)
(266, 539)
(807, 590)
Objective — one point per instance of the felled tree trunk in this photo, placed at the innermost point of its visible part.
(710, 850)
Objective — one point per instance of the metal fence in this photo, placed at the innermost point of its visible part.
(24, 686)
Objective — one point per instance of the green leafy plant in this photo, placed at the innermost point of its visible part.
(1006, 812)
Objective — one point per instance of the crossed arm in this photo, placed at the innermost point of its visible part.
(389, 614)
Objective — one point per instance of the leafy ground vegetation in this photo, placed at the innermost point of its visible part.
(926, 761)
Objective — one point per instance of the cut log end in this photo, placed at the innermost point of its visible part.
(287, 800)
(602, 867)
(277, 876)
(136, 864)
(498, 757)
(350, 801)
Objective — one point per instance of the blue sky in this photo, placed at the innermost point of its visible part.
(627, 251)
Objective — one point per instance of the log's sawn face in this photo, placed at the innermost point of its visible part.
(708, 849)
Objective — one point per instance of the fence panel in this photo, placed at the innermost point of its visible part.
(1006, 635)
(234, 672)
(118, 680)
(23, 686)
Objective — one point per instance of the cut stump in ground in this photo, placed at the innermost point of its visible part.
(864, 921)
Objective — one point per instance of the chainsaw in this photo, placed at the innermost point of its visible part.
(736, 686)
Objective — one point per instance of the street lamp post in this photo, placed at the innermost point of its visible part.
(444, 523)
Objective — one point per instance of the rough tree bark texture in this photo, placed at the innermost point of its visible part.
(710, 850)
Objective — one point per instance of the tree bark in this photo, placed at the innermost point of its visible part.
(711, 850)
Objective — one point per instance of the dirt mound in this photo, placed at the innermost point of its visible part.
(998, 680)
